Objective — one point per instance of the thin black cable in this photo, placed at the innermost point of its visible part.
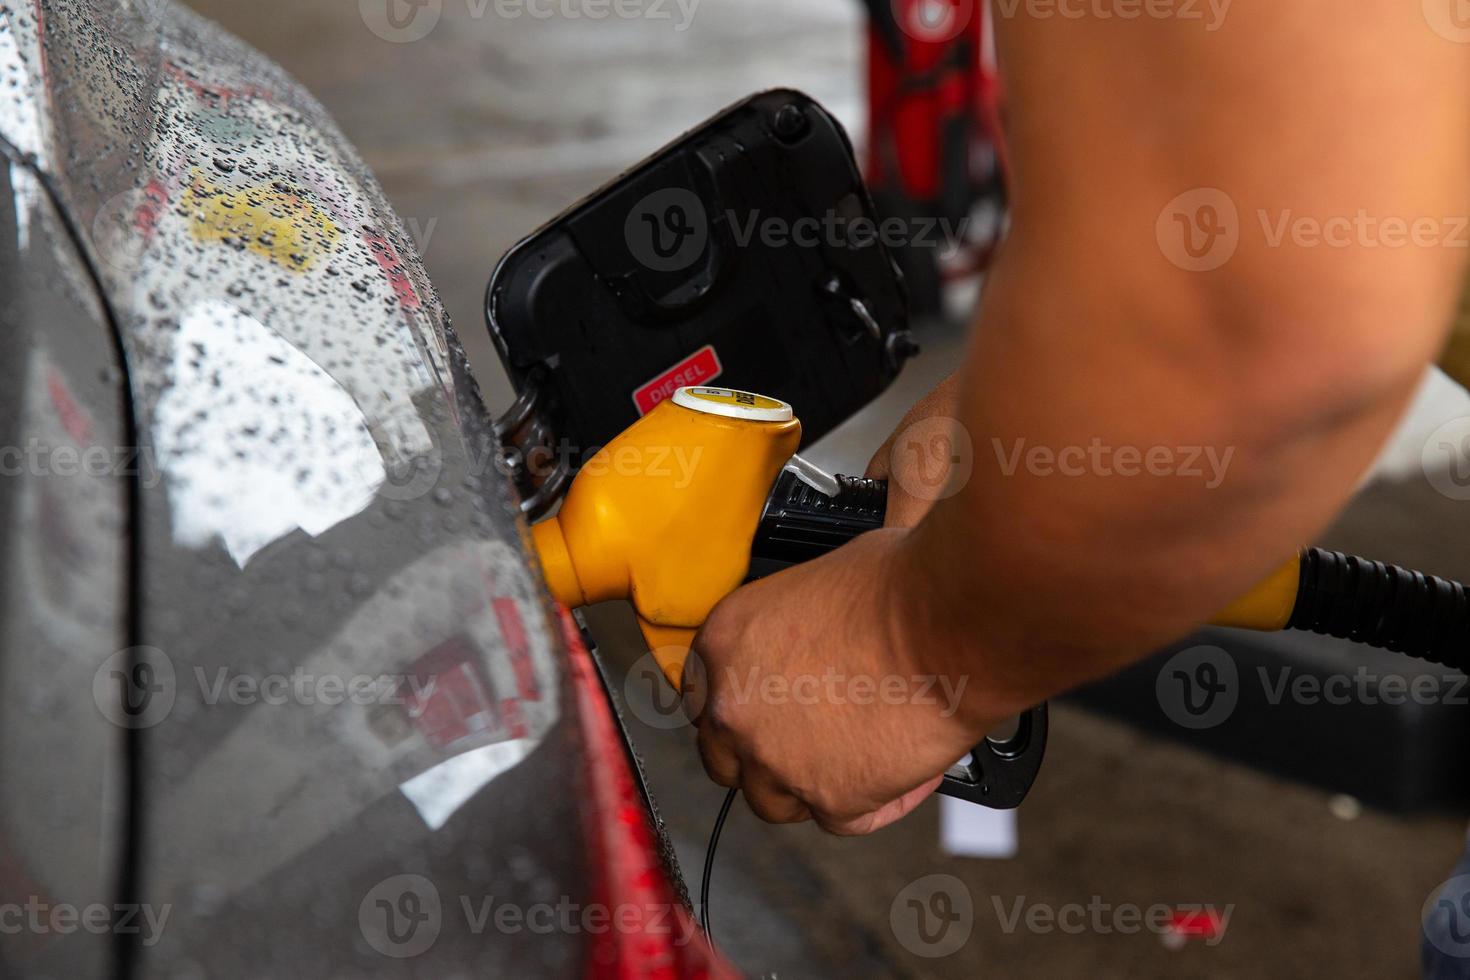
(709, 863)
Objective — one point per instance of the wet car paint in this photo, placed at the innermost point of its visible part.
(338, 686)
(63, 595)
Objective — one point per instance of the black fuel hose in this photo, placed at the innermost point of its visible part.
(1384, 606)
(1344, 596)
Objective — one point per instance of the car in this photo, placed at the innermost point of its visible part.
(283, 694)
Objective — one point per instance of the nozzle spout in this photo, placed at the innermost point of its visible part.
(556, 563)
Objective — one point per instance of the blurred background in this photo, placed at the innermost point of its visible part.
(486, 127)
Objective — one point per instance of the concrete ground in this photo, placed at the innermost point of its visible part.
(493, 122)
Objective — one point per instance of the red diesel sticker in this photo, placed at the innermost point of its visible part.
(698, 368)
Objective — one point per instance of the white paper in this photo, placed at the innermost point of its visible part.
(969, 830)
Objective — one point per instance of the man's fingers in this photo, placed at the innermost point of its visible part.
(763, 793)
(768, 800)
(877, 819)
(880, 465)
(718, 756)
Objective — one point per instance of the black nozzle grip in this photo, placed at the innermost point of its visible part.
(999, 772)
(800, 523)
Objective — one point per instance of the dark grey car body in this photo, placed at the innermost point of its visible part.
(279, 685)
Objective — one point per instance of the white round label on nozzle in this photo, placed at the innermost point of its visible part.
(734, 404)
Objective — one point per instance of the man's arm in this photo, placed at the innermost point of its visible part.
(1316, 158)
(1294, 353)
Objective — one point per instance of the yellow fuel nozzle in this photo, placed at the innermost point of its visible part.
(1268, 606)
(664, 515)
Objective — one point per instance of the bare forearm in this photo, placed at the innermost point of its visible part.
(1118, 498)
(1152, 433)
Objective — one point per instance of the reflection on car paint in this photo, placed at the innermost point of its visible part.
(424, 711)
(312, 462)
(271, 219)
(62, 505)
(326, 508)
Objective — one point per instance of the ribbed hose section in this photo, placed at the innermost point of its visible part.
(868, 497)
(1383, 606)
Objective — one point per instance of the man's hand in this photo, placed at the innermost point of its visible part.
(917, 474)
(1154, 307)
(820, 701)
